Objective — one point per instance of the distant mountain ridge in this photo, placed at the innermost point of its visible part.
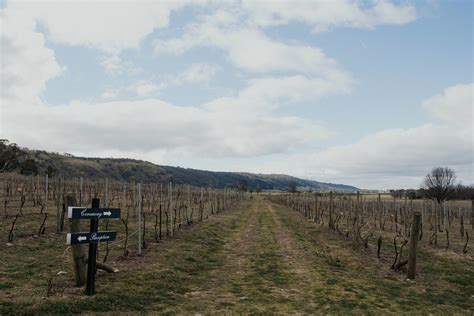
(124, 169)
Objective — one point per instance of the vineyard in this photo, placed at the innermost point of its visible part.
(447, 225)
(184, 249)
(309, 157)
(34, 221)
(167, 207)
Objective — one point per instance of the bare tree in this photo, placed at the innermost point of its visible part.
(440, 184)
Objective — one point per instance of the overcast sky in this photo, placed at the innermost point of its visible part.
(368, 93)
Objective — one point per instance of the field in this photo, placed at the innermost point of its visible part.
(252, 256)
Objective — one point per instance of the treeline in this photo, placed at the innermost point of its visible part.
(15, 158)
(459, 192)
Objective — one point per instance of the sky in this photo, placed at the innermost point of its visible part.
(371, 93)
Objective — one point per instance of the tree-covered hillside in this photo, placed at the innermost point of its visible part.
(41, 162)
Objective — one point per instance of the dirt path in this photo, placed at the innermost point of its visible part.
(258, 258)
(255, 275)
(269, 268)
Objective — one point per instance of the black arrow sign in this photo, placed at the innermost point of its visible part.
(93, 213)
(88, 238)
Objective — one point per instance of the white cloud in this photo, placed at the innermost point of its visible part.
(296, 70)
(130, 127)
(26, 64)
(266, 94)
(109, 26)
(253, 51)
(115, 65)
(250, 49)
(196, 73)
(385, 12)
(145, 88)
(112, 64)
(149, 125)
(322, 15)
(295, 88)
(394, 154)
(112, 26)
(454, 105)
(108, 94)
(235, 27)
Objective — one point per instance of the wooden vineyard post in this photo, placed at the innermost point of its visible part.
(106, 193)
(81, 182)
(201, 206)
(161, 206)
(139, 217)
(356, 219)
(472, 214)
(415, 231)
(316, 214)
(379, 213)
(436, 223)
(422, 211)
(46, 193)
(188, 208)
(350, 206)
(37, 189)
(134, 199)
(58, 208)
(395, 213)
(210, 204)
(331, 210)
(170, 203)
(78, 255)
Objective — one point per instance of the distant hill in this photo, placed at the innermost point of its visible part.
(146, 172)
(30, 162)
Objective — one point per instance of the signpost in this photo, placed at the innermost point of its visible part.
(87, 238)
(92, 213)
(93, 236)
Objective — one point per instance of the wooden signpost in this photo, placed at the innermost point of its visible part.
(93, 236)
